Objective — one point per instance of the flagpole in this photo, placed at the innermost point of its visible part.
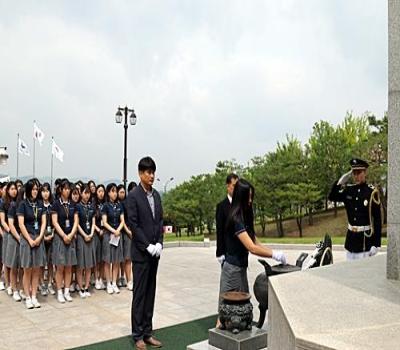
(17, 154)
(34, 155)
(51, 176)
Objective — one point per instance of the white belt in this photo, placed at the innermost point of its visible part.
(359, 228)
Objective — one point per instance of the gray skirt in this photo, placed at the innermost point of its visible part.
(63, 254)
(126, 246)
(4, 247)
(233, 279)
(1, 249)
(12, 257)
(49, 251)
(112, 254)
(98, 247)
(85, 253)
(32, 257)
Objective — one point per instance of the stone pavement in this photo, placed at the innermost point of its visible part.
(188, 282)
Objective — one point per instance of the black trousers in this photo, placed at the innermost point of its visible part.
(144, 293)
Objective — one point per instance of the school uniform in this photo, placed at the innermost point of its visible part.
(48, 232)
(126, 240)
(234, 269)
(64, 254)
(33, 213)
(85, 251)
(12, 253)
(111, 253)
(5, 234)
(98, 241)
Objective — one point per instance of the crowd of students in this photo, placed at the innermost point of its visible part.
(56, 243)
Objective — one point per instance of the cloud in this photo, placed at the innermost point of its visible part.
(209, 80)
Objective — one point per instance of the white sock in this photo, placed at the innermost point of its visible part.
(66, 291)
(60, 292)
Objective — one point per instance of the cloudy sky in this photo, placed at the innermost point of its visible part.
(209, 80)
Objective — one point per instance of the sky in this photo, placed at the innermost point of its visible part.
(209, 80)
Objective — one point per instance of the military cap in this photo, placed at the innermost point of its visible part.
(358, 164)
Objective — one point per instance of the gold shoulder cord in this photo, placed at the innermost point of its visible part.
(375, 198)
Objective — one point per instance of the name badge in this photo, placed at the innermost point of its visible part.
(87, 225)
(101, 222)
(36, 225)
(67, 224)
(49, 229)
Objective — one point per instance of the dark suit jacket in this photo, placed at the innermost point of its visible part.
(146, 229)
(221, 216)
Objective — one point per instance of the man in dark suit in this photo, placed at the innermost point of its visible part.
(221, 216)
(145, 219)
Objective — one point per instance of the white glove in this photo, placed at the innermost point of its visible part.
(221, 259)
(345, 178)
(152, 249)
(373, 251)
(279, 256)
(158, 249)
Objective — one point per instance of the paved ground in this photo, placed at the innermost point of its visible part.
(188, 282)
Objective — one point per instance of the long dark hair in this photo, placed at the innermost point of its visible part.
(241, 210)
(46, 187)
(29, 188)
(108, 190)
(7, 198)
(97, 201)
(119, 187)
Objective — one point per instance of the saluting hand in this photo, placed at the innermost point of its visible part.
(345, 178)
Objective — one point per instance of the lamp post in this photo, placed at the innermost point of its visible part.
(123, 112)
(166, 183)
(3, 155)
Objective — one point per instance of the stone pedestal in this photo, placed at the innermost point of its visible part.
(256, 339)
(349, 305)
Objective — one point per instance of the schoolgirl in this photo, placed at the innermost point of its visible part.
(113, 221)
(47, 200)
(11, 240)
(92, 187)
(85, 251)
(65, 221)
(126, 243)
(98, 238)
(32, 222)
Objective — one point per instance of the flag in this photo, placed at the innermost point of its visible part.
(22, 147)
(57, 151)
(38, 134)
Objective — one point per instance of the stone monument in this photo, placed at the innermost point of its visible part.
(393, 255)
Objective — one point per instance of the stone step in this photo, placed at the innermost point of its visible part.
(204, 345)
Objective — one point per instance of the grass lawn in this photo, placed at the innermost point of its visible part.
(324, 223)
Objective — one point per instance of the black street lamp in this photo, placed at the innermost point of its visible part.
(132, 118)
(3, 155)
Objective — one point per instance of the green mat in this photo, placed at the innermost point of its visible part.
(176, 337)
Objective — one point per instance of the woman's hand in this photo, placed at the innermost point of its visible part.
(67, 239)
(32, 243)
(279, 256)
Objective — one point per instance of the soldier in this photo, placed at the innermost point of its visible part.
(363, 209)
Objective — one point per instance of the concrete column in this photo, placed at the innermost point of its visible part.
(393, 254)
